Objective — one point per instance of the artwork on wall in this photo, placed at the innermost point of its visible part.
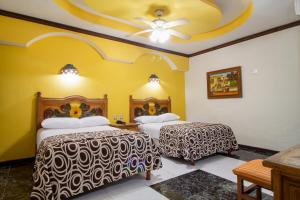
(224, 83)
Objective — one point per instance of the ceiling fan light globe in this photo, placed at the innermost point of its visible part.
(153, 39)
(160, 35)
(164, 36)
(154, 36)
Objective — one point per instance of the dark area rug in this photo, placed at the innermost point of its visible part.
(199, 185)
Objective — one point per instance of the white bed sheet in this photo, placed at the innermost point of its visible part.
(153, 129)
(44, 133)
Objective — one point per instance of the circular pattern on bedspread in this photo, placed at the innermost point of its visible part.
(70, 164)
(193, 141)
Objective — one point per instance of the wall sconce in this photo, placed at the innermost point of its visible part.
(153, 79)
(69, 69)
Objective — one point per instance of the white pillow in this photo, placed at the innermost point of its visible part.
(169, 117)
(61, 122)
(93, 121)
(148, 119)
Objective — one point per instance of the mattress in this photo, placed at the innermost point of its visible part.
(45, 133)
(153, 129)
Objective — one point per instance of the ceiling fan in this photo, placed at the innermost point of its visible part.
(160, 29)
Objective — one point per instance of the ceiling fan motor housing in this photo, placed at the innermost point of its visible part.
(159, 12)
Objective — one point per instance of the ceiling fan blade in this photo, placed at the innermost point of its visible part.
(148, 22)
(140, 32)
(174, 23)
(178, 34)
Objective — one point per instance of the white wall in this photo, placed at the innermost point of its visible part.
(268, 115)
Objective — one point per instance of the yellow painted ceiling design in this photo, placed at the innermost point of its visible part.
(204, 15)
(113, 51)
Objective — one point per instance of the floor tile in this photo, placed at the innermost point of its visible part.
(220, 165)
(199, 185)
(100, 194)
(17, 189)
(159, 176)
(177, 167)
(4, 173)
(145, 193)
(19, 182)
(3, 183)
(247, 156)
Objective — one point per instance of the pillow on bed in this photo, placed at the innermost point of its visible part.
(93, 121)
(169, 117)
(148, 119)
(61, 122)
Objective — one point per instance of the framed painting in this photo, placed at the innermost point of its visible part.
(224, 83)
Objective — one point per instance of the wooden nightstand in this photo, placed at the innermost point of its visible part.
(128, 126)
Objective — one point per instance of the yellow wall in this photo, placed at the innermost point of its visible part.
(24, 71)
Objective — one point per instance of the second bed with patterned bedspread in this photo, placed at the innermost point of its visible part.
(195, 140)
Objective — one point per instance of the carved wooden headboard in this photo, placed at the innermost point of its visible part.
(71, 106)
(148, 106)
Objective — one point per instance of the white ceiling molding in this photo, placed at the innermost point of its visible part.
(82, 5)
(164, 57)
(231, 10)
(9, 43)
(70, 35)
(91, 44)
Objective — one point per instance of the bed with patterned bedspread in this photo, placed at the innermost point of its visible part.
(70, 164)
(195, 140)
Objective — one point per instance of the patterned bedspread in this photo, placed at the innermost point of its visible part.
(67, 165)
(195, 140)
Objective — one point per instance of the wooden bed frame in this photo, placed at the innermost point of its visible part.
(71, 106)
(148, 106)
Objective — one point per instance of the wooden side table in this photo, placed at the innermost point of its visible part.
(285, 173)
(128, 126)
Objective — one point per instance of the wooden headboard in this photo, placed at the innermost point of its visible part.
(71, 106)
(148, 106)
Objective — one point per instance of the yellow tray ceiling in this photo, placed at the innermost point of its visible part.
(204, 15)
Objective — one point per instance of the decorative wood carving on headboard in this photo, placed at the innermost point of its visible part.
(148, 106)
(71, 106)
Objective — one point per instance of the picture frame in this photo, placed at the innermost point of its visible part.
(225, 83)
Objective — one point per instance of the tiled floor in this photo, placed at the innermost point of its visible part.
(16, 180)
(199, 185)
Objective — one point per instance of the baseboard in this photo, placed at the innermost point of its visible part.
(16, 162)
(242, 146)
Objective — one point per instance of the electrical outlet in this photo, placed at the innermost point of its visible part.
(121, 117)
(255, 71)
(297, 7)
